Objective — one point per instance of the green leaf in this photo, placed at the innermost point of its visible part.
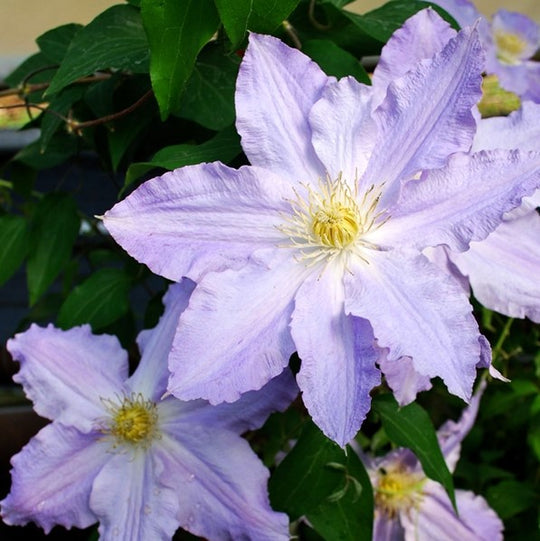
(411, 427)
(302, 481)
(100, 300)
(350, 516)
(60, 147)
(267, 16)
(222, 147)
(209, 96)
(176, 31)
(234, 15)
(34, 70)
(54, 43)
(55, 226)
(61, 105)
(115, 39)
(509, 498)
(14, 238)
(334, 60)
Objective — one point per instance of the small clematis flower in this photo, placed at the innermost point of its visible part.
(511, 40)
(317, 246)
(408, 505)
(119, 454)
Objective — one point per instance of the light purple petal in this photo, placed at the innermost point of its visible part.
(131, 503)
(343, 130)
(452, 433)
(234, 336)
(52, 477)
(221, 486)
(338, 358)
(436, 519)
(416, 310)
(200, 218)
(426, 115)
(520, 129)
(463, 201)
(387, 529)
(422, 36)
(66, 373)
(150, 378)
(504, 269)
(523, 79)
(275, 89)
(463, 11)
(403, 379)
(249, 412)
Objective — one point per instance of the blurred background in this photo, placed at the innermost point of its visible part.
(22, 22)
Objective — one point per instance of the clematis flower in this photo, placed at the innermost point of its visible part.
(511, 40)
(408, 505)
(317, 246)
(117, 454)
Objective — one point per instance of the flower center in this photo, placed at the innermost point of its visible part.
(335, 225)
(331, 220)
(509, 47)
(133, 421)
(397, 489)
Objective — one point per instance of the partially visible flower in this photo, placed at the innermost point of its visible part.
(409, 505)
(317, 246)
(511, 40)
(118, 454)
(504, 269)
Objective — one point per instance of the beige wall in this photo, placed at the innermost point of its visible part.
(487, 7)
(24, 20)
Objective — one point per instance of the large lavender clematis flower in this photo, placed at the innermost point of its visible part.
(117, 454)
(511, 39)
(408, 505)
(316, 247)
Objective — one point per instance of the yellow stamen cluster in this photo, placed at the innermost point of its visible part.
(133, 421)
(397, 489)
(331, 220)
(509, 47)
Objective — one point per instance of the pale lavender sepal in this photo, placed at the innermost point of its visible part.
(463, 11)
(426, 115)
(451, 433)
(343, 128)
(221, 485)
(131, 503)
(200, 218)
(249, 412)
(463, 201)
(52, 478)
(338, 355)
(520, 129)
(387, 529)
(435, 518)
(152, 373)
(441, 338)
(275, 90)
(403, 379)
(523, 80)
(421, 36)
(66, 373)
(248, 311)
(504, 269)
